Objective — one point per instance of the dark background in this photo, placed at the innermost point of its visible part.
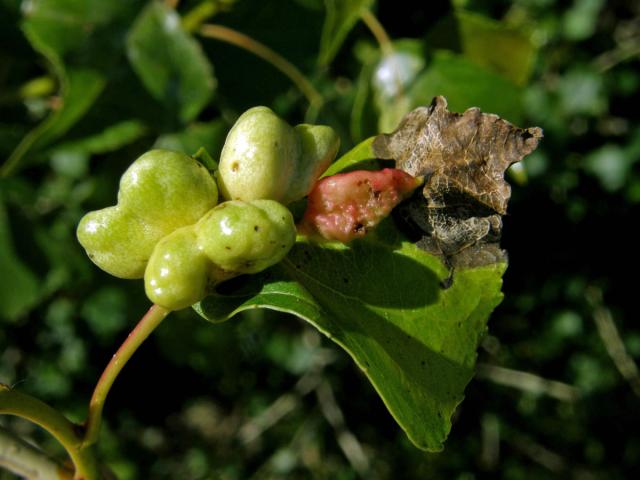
(191, 403)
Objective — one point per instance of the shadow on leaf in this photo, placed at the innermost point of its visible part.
(367, 273)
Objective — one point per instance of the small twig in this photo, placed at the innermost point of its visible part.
(139, 334)
(387, 49)
(547, 458)
(490, 455)
(348, 442)
(378, 31)
(245, 42)
(607, 60)
(528, 382)
(627, 46)
(612, 340)
(284, 404)
(538, 453)
(27, 461)
(38, 412)
(203, 11)
(279, 409)
(298, 443)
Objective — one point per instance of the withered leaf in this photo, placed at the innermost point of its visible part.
(463, 158)
(467, 153)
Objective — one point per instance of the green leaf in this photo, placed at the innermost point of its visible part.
(19, 287)
(382, 300)
(581, 20)
(501, 48)
(83, 88)
(359, 157)
(169, 62)
(62, 26)
(203, 157)
(80, 89)
(72, 158)
(209, 135)
(506, 50)
(464, 84)
(401, 83)
(111, 138)
(58, 29)
(341, 17)
(362, 123)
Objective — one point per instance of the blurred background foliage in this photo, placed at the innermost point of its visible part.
(88, 85)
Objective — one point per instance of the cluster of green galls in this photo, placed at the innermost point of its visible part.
(169, 228)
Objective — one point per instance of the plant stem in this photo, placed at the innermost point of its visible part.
(194, 18)
(139, 334)
(528, 382)
(378, 32)
(387, 49)
(243, 41)
(38, 412)
(612, 339)
(26, 461)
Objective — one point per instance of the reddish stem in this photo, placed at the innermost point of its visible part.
(139, 334)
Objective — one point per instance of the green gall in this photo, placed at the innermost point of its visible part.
(117, 241)
(320, 146)
(246, 237)
(159, 193)
(177, 273)
(265, 158)
(168, 189)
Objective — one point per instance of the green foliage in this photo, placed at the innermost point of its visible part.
(497, 46)
(464, 83)
(169, 62)
(359, 157)
(63, 32)
(381, 300)
(341, 18)
(80, 89)
(209, 135)
(24, 292)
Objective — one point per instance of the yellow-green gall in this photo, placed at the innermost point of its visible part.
(265, 158)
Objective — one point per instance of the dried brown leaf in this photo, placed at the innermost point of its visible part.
(463, 158)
